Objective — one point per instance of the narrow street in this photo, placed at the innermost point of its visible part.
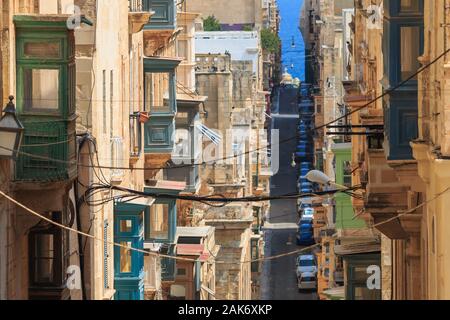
(278, 276)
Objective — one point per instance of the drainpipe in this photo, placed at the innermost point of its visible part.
(83, 139)
(4, 217)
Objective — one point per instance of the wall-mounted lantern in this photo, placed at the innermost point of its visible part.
(11, 132)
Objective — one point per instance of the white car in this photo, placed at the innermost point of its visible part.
(306, 263)
(308, 212)
(307, 281)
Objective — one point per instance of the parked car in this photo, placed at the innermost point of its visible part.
(307, 281)
(302, 179)
(305, 235)
(306, 263)
(306, 220)
(308, 212)
(306, 166)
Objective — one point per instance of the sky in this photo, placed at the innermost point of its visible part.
(292, 57)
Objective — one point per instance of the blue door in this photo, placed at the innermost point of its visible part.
(128, 264)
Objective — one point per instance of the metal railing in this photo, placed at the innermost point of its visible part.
(47, 151)
(135, 5)
(135, 135)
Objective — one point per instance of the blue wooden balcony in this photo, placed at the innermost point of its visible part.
(168, 265)
(165, 14)
(403, 42)
(400, 121)
(158, 135)
(160, 102)
(161, 220)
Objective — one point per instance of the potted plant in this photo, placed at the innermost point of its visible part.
(143, 117)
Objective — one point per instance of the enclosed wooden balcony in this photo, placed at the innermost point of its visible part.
(161, 104)
(45, 61)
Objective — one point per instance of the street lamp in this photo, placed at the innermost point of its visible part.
(11, 131)
(321, 178)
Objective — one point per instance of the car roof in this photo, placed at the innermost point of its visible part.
(306, 257)
(308, 274)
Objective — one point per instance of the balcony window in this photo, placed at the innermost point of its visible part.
(46, 50)
(125, 257)
(45, 75)
(347, 174)
(409, 6)
(44, 258)
(255, 255)
(41, 87)
(403, 43)
(183, 49)
(410, 51)
(157, 93)
(135, 136)
(161, 218)
(159, 222)
(168, 265)
(46, 255)
(129, 264)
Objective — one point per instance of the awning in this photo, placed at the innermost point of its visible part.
(190, 99)
(193, 250)
(392, 229)
(164, 185)
(190, 249)
(357, 248)
(335, 293)
(133, 204)
(200, 232)
(147, 202)
(161, 64)
(154, 247)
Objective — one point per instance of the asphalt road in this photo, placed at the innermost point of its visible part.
(278, 280)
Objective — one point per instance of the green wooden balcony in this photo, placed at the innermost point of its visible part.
(165, 14)
(48, 152)
(45, 73)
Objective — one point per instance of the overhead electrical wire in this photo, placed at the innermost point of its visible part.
(215, 199)
(126, 247)
(269, 145)
(17, 203)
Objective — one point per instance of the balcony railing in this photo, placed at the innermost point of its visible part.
(135, 5)
(48, 153)
(135, 135)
